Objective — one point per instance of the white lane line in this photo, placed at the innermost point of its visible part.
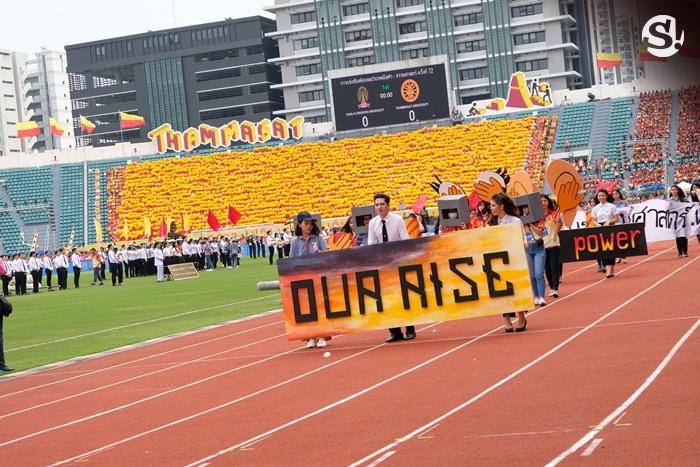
(594, 444)
(155, 372)
(139, 435)
(146, 399)
(520, 370)
(130, 325)
(620, 418)
(373, 464)
(254, 442)
(118, 365)
(528, 433)
(630, 400)
(428, 430)
(221, 406)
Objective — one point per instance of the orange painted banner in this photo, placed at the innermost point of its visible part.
(455, 275)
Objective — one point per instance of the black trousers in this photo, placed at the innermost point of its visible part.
(272, 253)
(261, 249)
(20, 283)
(49, 272)
(6, 285)
(76, 277)
(397, 331)
(113, 272)
(62, 274)
(280, 253)
(2, 347)
(551, 267)
(252, 250)
(682, 245)
(103, 267)
(36, 278)
(287, 249)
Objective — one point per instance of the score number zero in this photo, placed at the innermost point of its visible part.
(411, 118)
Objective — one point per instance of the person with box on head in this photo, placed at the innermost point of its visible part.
(307, 241)
(388, 227)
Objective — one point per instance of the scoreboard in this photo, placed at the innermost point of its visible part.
(390, 97)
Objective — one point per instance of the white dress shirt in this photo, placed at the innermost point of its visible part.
(395, 228)
(75, 260)
(34, 264)
(47, 263)
(158, 257)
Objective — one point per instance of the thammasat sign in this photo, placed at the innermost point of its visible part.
(168, 139)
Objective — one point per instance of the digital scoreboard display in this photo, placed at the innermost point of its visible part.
(390, 97)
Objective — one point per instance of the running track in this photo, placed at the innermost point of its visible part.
(606, 374)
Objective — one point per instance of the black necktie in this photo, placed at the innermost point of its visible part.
(385, 234)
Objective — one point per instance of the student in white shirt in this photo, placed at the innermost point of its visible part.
(388, 227)
(34, 265)
(605, 213)
(20, 268)
(158, 261)
(47, 265)
(6, 276)
(61, 263)
(505, 210)
(113, 260)
(77, 267)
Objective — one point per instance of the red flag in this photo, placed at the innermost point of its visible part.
(213, 221)
(419, 204)
(474, 200)
(163, 228)
(233, 215)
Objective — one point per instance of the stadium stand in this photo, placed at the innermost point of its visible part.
(320, 177)
(71, 202)
(653, 123)
(575, 126)
(27, 188)
(688, 148)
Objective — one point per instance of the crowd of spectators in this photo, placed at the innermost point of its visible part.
(689, 122)
(653, 122)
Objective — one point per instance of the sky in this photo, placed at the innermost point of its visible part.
(55, 24)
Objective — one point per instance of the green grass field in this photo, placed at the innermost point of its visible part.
(38, 320)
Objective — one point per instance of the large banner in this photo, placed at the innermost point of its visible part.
(450, 276)
(663, 220)
(614, 241)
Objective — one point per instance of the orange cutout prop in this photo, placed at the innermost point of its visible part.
(565, 181)
(520, 184)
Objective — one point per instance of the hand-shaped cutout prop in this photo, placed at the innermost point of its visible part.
(520, 185)
(565, 181)
(489, 184)
(446, 188)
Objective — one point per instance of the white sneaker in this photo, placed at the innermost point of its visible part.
(537, 301)
(551, 293)
(321, 342)
(542, 302)
(310, 344)
(555, 293)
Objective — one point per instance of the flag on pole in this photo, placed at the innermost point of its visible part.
(28, 129)
(56, 128)
(608, 60)
(213, 221)
(131, 121)
(125, 231)
(86, 126)
(419, 204)
(163, 231)
(233, 215)
(147, 227)
(185, 222)
(98, 231)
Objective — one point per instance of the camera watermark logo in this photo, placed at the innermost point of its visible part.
(660, 38)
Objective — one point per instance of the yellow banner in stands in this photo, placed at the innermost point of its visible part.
(455, 275)
(248, 132)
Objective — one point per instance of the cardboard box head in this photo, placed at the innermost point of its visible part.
(453, 210)
(530, 207)
(361, 216)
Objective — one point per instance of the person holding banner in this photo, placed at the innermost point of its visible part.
(503, 208)
(676, 195)
(620, 202)
(695, 198)
(307, 241)
(605, 213)
(388, 227)
(552, 224)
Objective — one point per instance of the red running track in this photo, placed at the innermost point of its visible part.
(606, 374)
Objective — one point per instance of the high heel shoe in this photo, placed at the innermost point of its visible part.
(508, 329)
(522, 328)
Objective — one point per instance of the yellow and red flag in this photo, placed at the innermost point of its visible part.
(28, 129)
(86, 126)
(608, 60)
(131, 121)
(56, 128)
